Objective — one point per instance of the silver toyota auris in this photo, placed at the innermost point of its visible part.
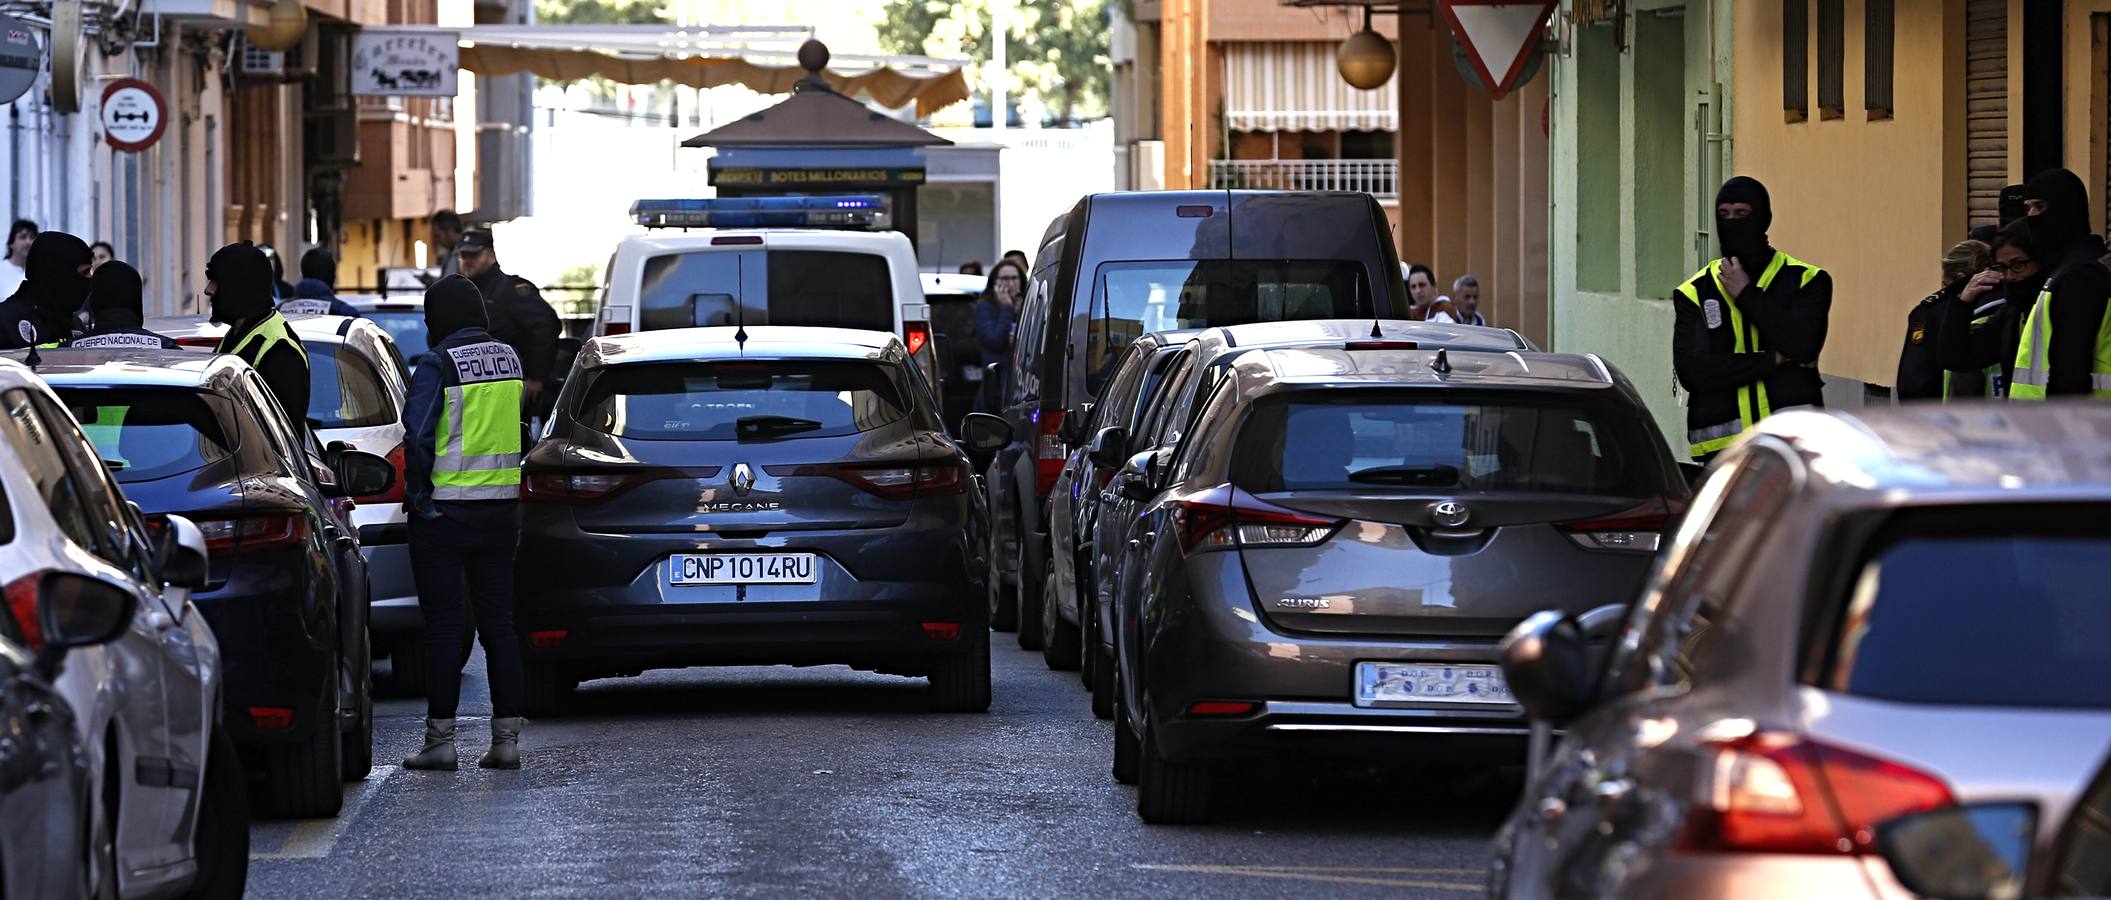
(720, 496)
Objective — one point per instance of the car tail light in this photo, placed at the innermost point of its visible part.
(271, 718)
(942, 631)
(585, 486)
(895, 482)
(1218, 520)
(244, 535)
(611, 329)
(545, 640)
(209, 343)
(1048, 451)
(1640, 529)
(394, 494)
(21, 595)
(1221, 708)
(1772, 792)
(916, 335)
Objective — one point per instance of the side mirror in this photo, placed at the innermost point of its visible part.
(179, 551)
(75, 610)
(1975, 851)
(1137, 478)
(1546, 661)
(1106, 449)
(985, 434)
(1072, 433)
(360, 474)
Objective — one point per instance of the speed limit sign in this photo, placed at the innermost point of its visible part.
(133, 114)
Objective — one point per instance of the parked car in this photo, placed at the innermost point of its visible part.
(1864, 616)
(199, 435)
(951, 299)
(1118, 266)
(789, 498)
(149, 796)
(1326, 557)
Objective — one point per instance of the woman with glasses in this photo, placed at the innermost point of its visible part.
(1979, 331)
(997, 318)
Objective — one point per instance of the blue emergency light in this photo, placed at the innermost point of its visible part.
(842, 211)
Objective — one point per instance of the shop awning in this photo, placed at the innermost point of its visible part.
(759, 58)
(1294, 86)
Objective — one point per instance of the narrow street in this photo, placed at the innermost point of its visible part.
(776, 780)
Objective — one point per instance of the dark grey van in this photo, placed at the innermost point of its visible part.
(1120, 265)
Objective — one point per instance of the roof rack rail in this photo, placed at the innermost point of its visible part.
(859, 211)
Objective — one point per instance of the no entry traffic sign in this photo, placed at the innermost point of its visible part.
(133, 114)
(1499, 35)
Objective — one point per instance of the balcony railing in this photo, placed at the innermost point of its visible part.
(1378, 177)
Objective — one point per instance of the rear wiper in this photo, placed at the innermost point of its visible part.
(748, 427)
(1419, 476)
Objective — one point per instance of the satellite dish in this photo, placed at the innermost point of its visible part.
(21, 58)
(66, 56)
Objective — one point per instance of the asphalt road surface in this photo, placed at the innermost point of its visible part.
(777, 781)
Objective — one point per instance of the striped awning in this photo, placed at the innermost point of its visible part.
(1294, 86)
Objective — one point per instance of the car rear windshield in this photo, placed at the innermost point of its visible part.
(1132, 298)
(775, 287)
(1978, 606)
(344, 390)
(746, 400)
(405, 327)
(145, 433)
(1376, 440)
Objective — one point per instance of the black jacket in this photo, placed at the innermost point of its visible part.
(21, 326)
(1920, 360)
(522, 320)
(2080, 289)
(284, 369)
(1788, 316)
(1976, 336)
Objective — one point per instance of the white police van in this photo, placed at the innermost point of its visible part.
(825, 260)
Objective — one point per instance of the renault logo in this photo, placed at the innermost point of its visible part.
(1449, 513)
(742, 479)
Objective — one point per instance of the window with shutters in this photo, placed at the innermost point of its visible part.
(1985, 109)
(1877, 39)
(1832, 58)
(1795, 60)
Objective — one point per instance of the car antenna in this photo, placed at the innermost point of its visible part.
(1442, 364)
(1375, 333)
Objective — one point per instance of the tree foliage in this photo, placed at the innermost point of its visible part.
(601, 12)
(1055, 48)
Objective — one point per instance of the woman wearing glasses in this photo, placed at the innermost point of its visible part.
(1978, 332)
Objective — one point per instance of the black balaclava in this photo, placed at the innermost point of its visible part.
(53, 276)
(2012, 206)
(241, 279)
(2017, 234)
(116, 299)
(1745, 239)
(2066, 215)
(452, 304)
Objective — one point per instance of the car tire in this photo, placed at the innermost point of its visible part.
(1085, 630)
(960, 682)
(306, 778)
(358, 750)
(1030, 606)
(1102, 666)
(1171, 793)
(1126, 746)
(407, 667)
(548, 690)
(1059, 639)
(100, 875)
(221, 842)
(1004, 600)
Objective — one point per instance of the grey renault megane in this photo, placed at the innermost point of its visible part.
(722, 496)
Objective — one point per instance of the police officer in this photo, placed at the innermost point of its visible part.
(238, 285)
(116, 301)
(41, 311)
(2065, 345)
(519, 316)
(1749, 327)
(462, 487)
(1980, 330)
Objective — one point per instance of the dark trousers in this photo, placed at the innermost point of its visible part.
(471, 544)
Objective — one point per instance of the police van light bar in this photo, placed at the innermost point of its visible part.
(847, 211)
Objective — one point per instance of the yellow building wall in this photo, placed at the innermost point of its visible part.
(2087, 29)
(1874, 202)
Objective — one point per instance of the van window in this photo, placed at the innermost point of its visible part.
(1132, 298)
(776, 287)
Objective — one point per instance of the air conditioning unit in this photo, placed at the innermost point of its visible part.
(251, 62)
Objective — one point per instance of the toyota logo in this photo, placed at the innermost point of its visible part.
(742, 478)
(1449, 513)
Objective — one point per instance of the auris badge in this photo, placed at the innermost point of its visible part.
(742, 478)
(1449, 513)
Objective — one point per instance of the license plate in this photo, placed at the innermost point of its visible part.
(742, 568)
(1418, 684)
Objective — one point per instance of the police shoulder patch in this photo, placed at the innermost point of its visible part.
(1713, 311)
(28, 331)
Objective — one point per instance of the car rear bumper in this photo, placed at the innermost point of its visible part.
(1343, 729)
(276, 652)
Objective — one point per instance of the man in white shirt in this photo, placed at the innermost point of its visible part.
(14, 268)
(1463, 307)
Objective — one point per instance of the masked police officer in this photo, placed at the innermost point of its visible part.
(238, 284)
(41, 311)
(462, 487)
(2064, 348)
(119, 307)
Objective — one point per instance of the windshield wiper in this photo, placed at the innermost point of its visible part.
(113, 465)
(750, 427)
(1418, 476)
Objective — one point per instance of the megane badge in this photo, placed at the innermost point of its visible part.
(742, 478)
(1449, 513)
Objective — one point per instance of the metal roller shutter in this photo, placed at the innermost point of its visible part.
(1985, 109)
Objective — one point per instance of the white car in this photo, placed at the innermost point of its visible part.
(170, 810)
(684, 278)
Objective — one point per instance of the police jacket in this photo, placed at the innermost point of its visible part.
(1723, 349)
(522, 319)
(462, 442)
(2080, 291)
(118, 337)
(1978, 341)
(270, 347)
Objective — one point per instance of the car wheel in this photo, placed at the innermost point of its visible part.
(960, 682)
(1029, 602)
(221, 842)
(1004, 601)
(358, 750)
(1086, 630)
(548, 690)
(407, 667)
(1102, 666)
(101, 874)
(1059, 639)
(1171, 793)
(307, 777)
(1126, 747)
